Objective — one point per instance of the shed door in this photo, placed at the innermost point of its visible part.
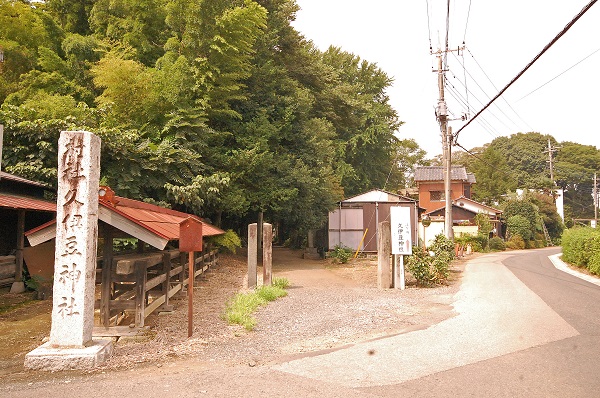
(370, 220)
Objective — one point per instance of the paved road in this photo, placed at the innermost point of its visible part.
(523, 329)
(566, 367)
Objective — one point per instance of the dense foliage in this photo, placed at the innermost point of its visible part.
(521, 161)
(431, 268)
(217, 107)
(581, 247)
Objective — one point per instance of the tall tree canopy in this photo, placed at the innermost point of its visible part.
(218, 107)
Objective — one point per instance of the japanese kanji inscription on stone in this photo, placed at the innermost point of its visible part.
(76, 239)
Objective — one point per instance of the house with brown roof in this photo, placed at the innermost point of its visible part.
(430, 183)
(432, 198)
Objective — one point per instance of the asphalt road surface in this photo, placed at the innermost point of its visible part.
(523, 329)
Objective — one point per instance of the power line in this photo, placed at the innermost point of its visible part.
(467, 23)
(559, 75)
(483, 91)
(447, 34)
(493, 85)
(546, 48)
(478, 100)
(429, 27)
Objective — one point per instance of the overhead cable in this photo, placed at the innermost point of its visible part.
(546, 48)
(559, 75)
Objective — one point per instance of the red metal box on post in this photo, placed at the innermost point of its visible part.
(190, 235)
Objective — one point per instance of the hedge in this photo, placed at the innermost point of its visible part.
(581, 247)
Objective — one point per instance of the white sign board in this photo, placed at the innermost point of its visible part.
(401, 230)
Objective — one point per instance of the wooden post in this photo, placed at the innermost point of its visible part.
(182, 261)
(252, 255)
(107, 260)
(190, 293)
(267, 253)
(384, 249)
(140, 292)
(259, 236)
(20, 245)
(399, 281)
(166, 285)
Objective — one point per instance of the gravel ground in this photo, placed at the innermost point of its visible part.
(328, 306)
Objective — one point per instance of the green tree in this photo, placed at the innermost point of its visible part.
(524, 155)
(136, 24)
(575, 168)
(72, 15)
(519, 225)
(494, 176)
(526, 210)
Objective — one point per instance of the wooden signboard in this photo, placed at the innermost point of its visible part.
(190, 240)
(190, 235)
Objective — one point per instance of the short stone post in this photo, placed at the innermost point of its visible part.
(71, 345)
(252, 255)
(311, 252)
(384, 250)
(267, 253)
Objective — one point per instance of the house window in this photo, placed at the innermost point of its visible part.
(437, 196)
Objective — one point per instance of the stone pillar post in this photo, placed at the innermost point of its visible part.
(252, 255)
(311, 252)
(71, 344)
(267, 253)
(384, 250)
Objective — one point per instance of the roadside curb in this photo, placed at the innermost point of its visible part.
(562, 266)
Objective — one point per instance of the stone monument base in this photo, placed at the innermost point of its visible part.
(311, 253)
(46, 357)
(17, 287)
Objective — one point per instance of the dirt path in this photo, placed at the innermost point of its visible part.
(328, 306)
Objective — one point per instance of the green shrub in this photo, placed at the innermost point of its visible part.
(579, 244)
(431, 269)
(229, 242)
(497, 244)
(516, 243)
(420, 266)
(341, 253)
(519, 225)
(442, 244)
(594, 263)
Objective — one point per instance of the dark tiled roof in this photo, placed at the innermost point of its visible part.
(436, 173)
(471, 178)
(12, 177)
(25, 203)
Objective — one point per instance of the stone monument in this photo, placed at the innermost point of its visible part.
(71, 345)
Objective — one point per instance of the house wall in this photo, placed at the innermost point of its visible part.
(346, 227)
(461, 230)
(428, 234)
(457, 190)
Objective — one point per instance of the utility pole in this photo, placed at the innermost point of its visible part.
(551, 149)
(595, 201)
(442, 116)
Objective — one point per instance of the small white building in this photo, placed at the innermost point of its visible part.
(354, 223)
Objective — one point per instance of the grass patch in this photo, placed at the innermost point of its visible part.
(242, 306)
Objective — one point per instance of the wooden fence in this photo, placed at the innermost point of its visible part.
(140, 284)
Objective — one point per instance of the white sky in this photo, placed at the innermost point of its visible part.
(502, 36)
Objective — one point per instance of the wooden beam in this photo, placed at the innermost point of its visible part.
(107, 262)
(20, 245)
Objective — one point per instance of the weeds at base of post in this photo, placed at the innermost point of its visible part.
(241, 307)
